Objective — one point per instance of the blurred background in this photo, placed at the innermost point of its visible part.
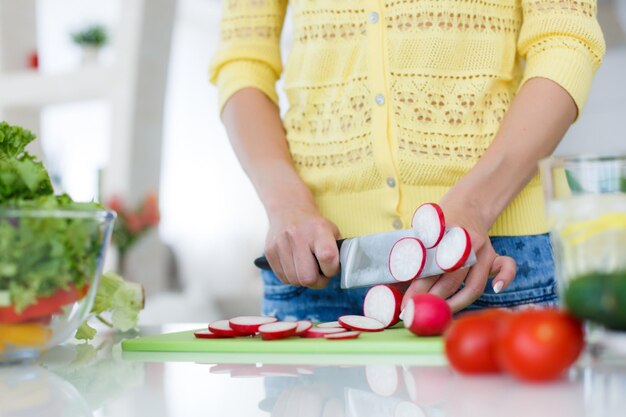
(118, 93)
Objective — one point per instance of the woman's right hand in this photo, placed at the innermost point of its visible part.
(299, 238)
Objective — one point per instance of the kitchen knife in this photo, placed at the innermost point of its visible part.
(364, 259)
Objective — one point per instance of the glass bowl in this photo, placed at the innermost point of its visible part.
(50, 267)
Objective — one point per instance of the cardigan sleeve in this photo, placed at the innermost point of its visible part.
(561, 40)
(248, 54)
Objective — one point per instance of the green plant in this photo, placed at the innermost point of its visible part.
(95, 35)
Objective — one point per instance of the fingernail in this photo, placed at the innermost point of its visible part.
(497, 287)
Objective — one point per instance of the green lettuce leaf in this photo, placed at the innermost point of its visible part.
(22, 176)
(122, 299)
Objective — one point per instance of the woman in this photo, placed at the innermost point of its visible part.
(395, 103)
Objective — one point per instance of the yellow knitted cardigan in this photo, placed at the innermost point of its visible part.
(391, 102)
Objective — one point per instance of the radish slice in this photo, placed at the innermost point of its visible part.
(407, 259)
(249, 324)
(382, 303)
(278, 330)
(222, 328)
(329, 324)
(207, 334)
(454, 249)
(342, 335)
(383, 379)
(429, 224)
(321, 332)
(303, 326)
(361, 323)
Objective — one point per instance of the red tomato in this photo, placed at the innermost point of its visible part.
(470, 343)
(539, 345)
(44, 307)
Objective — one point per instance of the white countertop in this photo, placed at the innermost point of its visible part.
(100, 381)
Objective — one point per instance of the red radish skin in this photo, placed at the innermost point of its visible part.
(278, 330)
(382, 303)
(303, 326)
(316, 332)
(427, 315)
(342, 335)
(222, 328)
(329, 324)
(207, 334)
(429, 224)
(453, 250)
(407, 259)
(361, 323)
(249, 324)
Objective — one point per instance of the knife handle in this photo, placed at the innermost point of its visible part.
(262, 262)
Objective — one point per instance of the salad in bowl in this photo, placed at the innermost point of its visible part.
(51, 257)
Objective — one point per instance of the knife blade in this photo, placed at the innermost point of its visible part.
(364, 259)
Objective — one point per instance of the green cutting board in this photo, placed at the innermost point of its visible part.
(395, 341)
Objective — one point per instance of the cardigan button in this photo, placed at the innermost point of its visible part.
(373, 17)
(397, 224)
(379, 99)
(391, 182)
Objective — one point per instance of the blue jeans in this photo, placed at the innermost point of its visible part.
(534, 284)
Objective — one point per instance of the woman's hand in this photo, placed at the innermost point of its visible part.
(533, 126)
(475, 278)
(299, 238)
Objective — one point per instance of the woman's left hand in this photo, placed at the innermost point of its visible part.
(488, 263)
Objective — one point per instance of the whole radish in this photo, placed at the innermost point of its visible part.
(427, 315)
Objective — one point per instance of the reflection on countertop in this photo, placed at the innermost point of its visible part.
(96, 380)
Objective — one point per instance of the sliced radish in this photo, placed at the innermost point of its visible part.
(278, 330)
(249, 324)
(321, 332)
(429, 224)
(303, 326)
(222, 328)
(382, 303)
(383, 379)
(407, 259)
(207, 334)
(329, 324)
(427, 315)
(342, 335)
(361, 323)
(454, 249)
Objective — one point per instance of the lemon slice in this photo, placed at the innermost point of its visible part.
(580, 232)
